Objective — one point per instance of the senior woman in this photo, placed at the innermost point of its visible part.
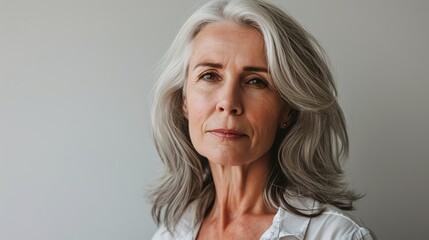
(247, 124)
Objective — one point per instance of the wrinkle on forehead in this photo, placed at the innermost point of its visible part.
(218, 42)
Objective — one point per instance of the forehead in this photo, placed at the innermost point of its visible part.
(224, 40)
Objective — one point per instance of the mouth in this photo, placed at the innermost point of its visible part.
(227, 133)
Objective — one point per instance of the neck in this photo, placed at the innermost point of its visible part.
(239, 191)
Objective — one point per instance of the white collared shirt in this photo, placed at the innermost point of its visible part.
(333, 223)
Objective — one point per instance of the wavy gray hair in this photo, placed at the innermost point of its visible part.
(305, 156)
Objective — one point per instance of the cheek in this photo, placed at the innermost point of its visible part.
(266, 119)
(269, 110)
(197, 119)
(197, 110)
(266, 125)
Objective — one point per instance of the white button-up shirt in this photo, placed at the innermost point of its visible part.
(333, 223)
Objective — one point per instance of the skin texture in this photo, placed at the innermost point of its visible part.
(234, 113)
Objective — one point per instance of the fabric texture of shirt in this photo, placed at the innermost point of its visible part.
(333, 223)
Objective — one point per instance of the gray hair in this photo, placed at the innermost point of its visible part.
(305, 157)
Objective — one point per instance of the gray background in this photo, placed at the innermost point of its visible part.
(75, 149)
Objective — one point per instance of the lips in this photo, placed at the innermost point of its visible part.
(227, 133)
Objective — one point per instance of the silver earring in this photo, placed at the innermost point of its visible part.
(284, 125)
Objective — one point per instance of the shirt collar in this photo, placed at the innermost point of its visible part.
(188, 227)
(285, 223)
(288, 224)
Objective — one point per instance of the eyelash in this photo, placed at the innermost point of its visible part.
(213, 75)
(261, 83)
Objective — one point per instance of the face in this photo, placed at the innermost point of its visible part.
(231, 105)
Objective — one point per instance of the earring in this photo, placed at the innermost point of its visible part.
(284, 125)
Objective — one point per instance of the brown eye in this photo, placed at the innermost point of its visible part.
(208, 76)
(257, 82)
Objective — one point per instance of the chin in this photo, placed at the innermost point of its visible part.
(226, 163)
(228, 160)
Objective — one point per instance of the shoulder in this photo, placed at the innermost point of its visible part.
(334, 223)
(162, 233)
(186, 228)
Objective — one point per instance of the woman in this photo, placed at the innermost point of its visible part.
(247, 124)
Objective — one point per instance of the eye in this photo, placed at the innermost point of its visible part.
(208, 76)
(258, 82)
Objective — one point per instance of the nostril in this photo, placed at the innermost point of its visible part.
(229, 108)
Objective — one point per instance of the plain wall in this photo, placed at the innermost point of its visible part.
(76, 154)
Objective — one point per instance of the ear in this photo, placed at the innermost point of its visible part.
(286, 116)
(185, 108)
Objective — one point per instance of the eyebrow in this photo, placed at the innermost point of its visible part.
(208, 64)
(255, 69)
(218, 65)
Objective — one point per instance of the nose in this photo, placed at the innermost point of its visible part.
(229, 100)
